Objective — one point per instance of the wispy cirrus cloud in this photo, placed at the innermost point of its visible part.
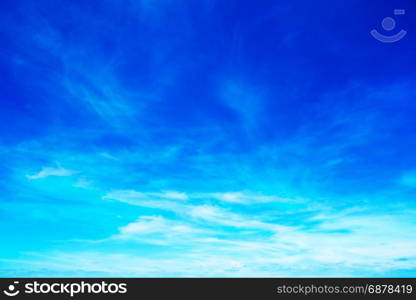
(248, 198)
(158, 230)
(358, 245)
(51, 171)
(205, 212)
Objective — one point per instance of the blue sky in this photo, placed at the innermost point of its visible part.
(206, 138)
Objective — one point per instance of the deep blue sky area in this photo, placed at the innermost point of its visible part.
(155, 138)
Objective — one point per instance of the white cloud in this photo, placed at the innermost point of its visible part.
(108, 156)
(83, 183)
(172, 195)
(205, 212)
(51, 171)
(348, 244)
(145, 200)
(351, 242)
(135, 197)
(159, 230)
(247, 198)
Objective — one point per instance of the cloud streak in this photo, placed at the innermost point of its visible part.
(51, 171)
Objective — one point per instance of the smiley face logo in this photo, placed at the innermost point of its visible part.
(11, 290)
(389, 24)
